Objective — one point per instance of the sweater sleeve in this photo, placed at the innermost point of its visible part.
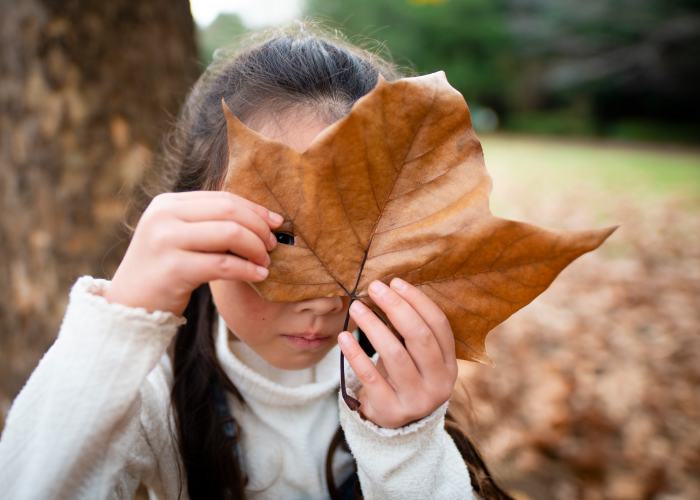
(74, 430)
(419, 461)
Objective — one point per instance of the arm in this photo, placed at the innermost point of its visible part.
(397, 435)
(75, 424)
(72, 427)
(417, 461)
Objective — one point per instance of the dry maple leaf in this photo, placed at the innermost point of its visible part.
(398, 188)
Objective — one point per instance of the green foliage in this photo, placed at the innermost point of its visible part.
(220, 33)
(619, 68)
(593, 67)
(556, 122)
(650, 130)
(468, 39)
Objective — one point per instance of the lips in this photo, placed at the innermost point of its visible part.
(309, 336)
(307, 340)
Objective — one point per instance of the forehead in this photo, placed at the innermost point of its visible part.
(295, 129)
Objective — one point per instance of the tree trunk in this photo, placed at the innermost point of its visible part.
(87, 88)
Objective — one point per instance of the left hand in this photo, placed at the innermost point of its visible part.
(408, 383)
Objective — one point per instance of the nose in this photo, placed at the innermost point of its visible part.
(320, 306)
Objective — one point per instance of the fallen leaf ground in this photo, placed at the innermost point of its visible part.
(596, 394)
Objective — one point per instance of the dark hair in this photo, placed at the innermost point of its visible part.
(281, 71)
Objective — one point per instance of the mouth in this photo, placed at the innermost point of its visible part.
(307, 340)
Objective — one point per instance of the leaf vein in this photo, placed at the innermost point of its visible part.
(345, 209)
(500, 269)
(262, 179)
(457, 303)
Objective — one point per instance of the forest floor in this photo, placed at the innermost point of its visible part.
(596, 393)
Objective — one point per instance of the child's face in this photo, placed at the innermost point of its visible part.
(288, 335)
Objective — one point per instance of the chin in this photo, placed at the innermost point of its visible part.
(299, 361)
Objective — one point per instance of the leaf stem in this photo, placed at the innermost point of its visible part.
(352, 403)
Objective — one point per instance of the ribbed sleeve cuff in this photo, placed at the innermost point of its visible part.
(417, 461)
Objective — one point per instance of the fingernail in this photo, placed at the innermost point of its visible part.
(358, 307)
(273, 241)
(276, 218)
(343, 339)
(398, 284)
(378, 287)
(262, 271)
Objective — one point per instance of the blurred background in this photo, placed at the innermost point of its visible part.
(589, 115)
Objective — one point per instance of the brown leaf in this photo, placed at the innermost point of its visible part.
(398, 188)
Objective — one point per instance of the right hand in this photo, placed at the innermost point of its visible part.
(185, 239)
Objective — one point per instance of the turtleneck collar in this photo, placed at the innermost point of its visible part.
(258, 380)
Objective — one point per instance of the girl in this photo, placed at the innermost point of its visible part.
(178, 375)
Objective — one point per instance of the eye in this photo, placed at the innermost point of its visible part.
(285, 238)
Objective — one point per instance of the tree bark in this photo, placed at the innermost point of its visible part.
(87, 88)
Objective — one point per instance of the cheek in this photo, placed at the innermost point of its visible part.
(241, 306)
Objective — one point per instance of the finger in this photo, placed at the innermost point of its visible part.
(272, 218)
(224, 209)
(205, 267)
(219, 236)
(420, 339)
(433, 317)
(374, 383)
(399, 365)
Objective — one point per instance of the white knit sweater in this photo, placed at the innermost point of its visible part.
(94, 420)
